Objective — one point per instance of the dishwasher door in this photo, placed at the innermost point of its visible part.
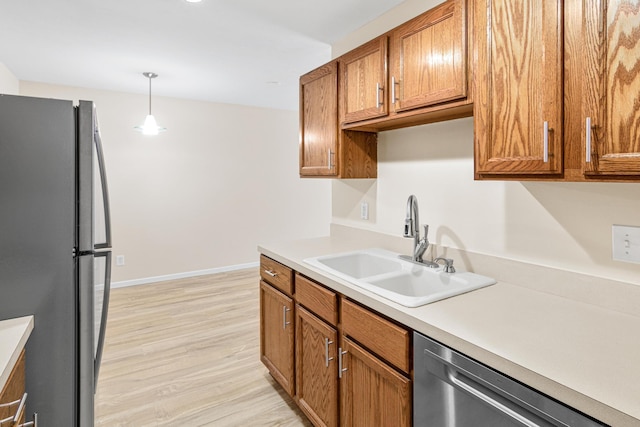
(451, 390)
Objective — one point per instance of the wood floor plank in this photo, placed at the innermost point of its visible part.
(186, 352)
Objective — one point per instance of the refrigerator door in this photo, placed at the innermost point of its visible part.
(37, 228)
(94, 258)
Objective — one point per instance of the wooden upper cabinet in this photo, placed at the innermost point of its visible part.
(519, 87)
(364, 81)
(319, 121)
(611, 88)
(429, 58)
(325, 150)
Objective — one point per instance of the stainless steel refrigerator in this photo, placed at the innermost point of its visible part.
(55, 258)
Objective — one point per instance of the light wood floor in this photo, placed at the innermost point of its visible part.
(186, 353)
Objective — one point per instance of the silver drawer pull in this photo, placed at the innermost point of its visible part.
(271, 273)
(546, 142)
(13, 420)
(327, 359)
(10, 404)
(32, 423)
(588, 140)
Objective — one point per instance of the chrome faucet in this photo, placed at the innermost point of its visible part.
(412, 229)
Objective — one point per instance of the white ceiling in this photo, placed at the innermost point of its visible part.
(249, 52)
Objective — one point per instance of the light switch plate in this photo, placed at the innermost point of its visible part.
(626, 243)
(364, 210)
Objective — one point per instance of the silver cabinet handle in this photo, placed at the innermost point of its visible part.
(326, 352)
(340, 368)
(393, 89)
(13, 419)
(33, 423)
(284, 317)
(546, 142)
(379, 101)
(588, 140)
(271, 273)
(329, 155)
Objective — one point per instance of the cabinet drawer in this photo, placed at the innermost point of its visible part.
(322, 301)
(386, 339)
(276, 274)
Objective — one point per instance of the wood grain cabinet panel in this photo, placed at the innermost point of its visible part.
(429, 58)
(325, 149)
(379, 335)
(276, 274)
(611, 88)
(372, 393)
(364, 81)
(519, 87)
(316, 368)
(277, 335)
(320, 300)
(319, 121)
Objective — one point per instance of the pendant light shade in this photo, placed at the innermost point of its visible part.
(150, 126)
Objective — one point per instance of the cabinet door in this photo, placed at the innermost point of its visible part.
(428, 57)
(363, 81)
(276, 335)
(518, 99)
(371, 393)
(611, 87)
(319, 121)
(316, 368)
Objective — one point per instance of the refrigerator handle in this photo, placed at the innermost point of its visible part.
(105, 191)
(103, 320)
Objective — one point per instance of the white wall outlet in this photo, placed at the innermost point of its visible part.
(364, 210)
(626, 243)
(120, 260)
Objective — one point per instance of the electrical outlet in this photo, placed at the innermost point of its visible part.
(120, 260)
(626, 243)
(364, 210)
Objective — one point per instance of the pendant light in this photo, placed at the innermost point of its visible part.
(150, 127)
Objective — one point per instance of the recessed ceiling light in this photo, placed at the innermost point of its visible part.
(194, 1)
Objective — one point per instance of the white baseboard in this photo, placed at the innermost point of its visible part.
(134, 282)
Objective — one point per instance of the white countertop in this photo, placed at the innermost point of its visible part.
(14, 334)
(582, 354)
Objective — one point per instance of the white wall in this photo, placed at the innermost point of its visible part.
(202, 194)
(9, 84)
(564, 225)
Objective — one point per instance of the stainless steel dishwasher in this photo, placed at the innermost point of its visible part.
(451, 390)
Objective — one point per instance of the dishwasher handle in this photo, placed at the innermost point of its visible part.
(458, 380)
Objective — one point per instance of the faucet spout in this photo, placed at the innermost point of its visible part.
(412, 229)
(412, 221)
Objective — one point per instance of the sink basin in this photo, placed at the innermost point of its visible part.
(402, 281)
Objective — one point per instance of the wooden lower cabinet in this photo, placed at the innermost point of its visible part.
(276, 335)
(12, 392)
(316, 368)
(371, 392)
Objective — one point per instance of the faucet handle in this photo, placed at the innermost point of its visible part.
(426, 230)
